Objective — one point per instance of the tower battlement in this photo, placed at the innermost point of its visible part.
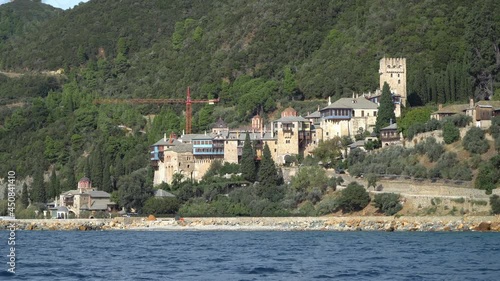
(393, 71)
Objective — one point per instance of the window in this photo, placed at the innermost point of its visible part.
(287, 141)
(399, 81)
(391, 75)
(362, 113)
(398, 74)
(374, 113)
(353, 113)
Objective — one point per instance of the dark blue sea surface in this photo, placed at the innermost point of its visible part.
(217, 255)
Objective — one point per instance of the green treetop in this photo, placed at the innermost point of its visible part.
(248, 168)
(268, 174)
(38, 190)
(385, 110)
(54, 187)
(24, 196)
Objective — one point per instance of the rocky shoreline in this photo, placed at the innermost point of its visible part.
(372, 223)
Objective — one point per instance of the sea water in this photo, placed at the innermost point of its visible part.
(248, 255)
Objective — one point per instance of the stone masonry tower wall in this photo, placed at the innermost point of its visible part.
(393, 71)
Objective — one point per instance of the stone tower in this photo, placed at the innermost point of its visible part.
(393, 71)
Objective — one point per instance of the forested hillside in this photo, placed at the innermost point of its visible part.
(22, 17)
(256, 56)
(326, 48)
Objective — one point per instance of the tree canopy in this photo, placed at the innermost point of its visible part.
(385, 113)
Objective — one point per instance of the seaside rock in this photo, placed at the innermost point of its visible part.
(495, 226)
(151, 218)
(30, 227)
(483, 226)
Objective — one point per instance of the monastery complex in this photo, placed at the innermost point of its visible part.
(191, 154)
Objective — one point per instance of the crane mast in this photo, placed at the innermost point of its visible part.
(188, 101)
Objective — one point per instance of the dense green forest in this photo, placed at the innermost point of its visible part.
(256, 56)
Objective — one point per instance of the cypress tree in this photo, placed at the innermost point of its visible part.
(452, 74)
(71, 182)
(38, 190)
(268, 174)
(119, 169)
(24, 196)
(106, 177)
(248, 168)
(54, 188)
(385, 110)
(97, 167)
(88, 171)
(446, 85)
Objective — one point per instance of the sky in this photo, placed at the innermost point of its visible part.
(63, 4)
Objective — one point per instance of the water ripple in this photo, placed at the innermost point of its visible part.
(156, 255)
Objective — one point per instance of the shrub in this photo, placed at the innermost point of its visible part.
(461, 172)
(459, 120)
(311, 181)
(353, 198)
(387, 203)
(418, 171)
(435, 201)
(3, 207)
(449, 167)
(495, 127)
(29, 213)
(479, 202)
(460, 200)
(307, 209)
(328, 205)
(161, 206)
(432, 125)
(450, 132)
(314, 195)
(332, 182)
(495, 204)
(372, 180)
(220, 207)
(356, 170)
(475, 142)
(486, 178)
(431, 148)
(415, 129)
(474, 161)
(290, 160)
(355, 156)
(453, 211)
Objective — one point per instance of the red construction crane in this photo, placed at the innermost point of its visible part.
(188, 101)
